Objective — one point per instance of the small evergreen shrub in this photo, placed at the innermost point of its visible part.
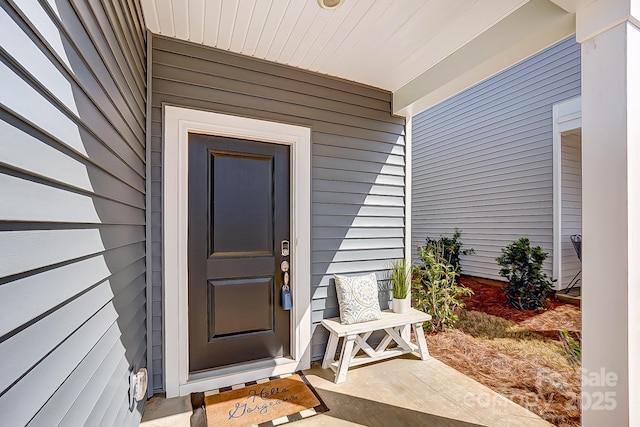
(452, 248)
(436, 290)
(522, 267)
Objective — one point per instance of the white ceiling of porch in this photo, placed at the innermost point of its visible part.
(382, 43)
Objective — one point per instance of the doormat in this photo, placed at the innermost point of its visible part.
(270, 402)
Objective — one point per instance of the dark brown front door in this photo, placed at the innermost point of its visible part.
(238, 217)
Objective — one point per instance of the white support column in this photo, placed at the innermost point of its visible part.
(610, 36)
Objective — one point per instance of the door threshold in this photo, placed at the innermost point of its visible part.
(238, 374)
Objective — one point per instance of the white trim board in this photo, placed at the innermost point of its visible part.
(178, 122)
(567, 116)
(149, 257)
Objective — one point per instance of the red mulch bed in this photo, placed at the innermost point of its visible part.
(556, 316)
(491, 300)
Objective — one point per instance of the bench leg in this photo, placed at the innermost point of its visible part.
(345, 358)
(422, 342)
(395, 334)
(330, 353)
(406, 333)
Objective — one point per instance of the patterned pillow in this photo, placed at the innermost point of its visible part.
(357, 298)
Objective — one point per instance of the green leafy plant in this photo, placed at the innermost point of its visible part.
(452, 248)
(522, 267)
(572, 346)
(399, 278)
(436, 290)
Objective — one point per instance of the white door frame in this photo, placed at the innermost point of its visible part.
(178, 122)
(567, 116)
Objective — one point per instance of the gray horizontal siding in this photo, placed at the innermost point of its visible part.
(72, 217)
(357, 160)
(571, 197)
(482, 160)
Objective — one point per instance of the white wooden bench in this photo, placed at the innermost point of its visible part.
(396, 326)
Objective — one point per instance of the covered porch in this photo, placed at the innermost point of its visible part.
(92, 219)
(468, 45)
(401, 391)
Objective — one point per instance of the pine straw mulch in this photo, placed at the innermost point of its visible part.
(518, 354)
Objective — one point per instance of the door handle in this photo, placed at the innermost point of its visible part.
(284, 266)
(286, 290)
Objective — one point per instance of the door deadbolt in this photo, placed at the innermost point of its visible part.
(284, 266)
(284, 246)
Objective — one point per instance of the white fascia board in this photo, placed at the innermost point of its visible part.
(602, 15)
(572, 5)
(530, 29)
(568, 5)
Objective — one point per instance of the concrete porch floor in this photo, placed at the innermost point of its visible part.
(404, 391)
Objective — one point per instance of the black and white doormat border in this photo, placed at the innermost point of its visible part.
(199, 417)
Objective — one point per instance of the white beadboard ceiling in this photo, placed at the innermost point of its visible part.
(382, 43)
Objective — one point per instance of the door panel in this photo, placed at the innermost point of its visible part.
(238, 215)
(242, 205)
(227, 295)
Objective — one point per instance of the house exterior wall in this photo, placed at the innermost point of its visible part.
(482, 160)
(72, 211)
(358, 169)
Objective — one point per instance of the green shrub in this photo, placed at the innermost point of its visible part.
(399, 278)
(522, 267)
(452, 248)
(436, 290)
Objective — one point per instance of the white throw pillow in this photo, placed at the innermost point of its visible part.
(357, 298)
